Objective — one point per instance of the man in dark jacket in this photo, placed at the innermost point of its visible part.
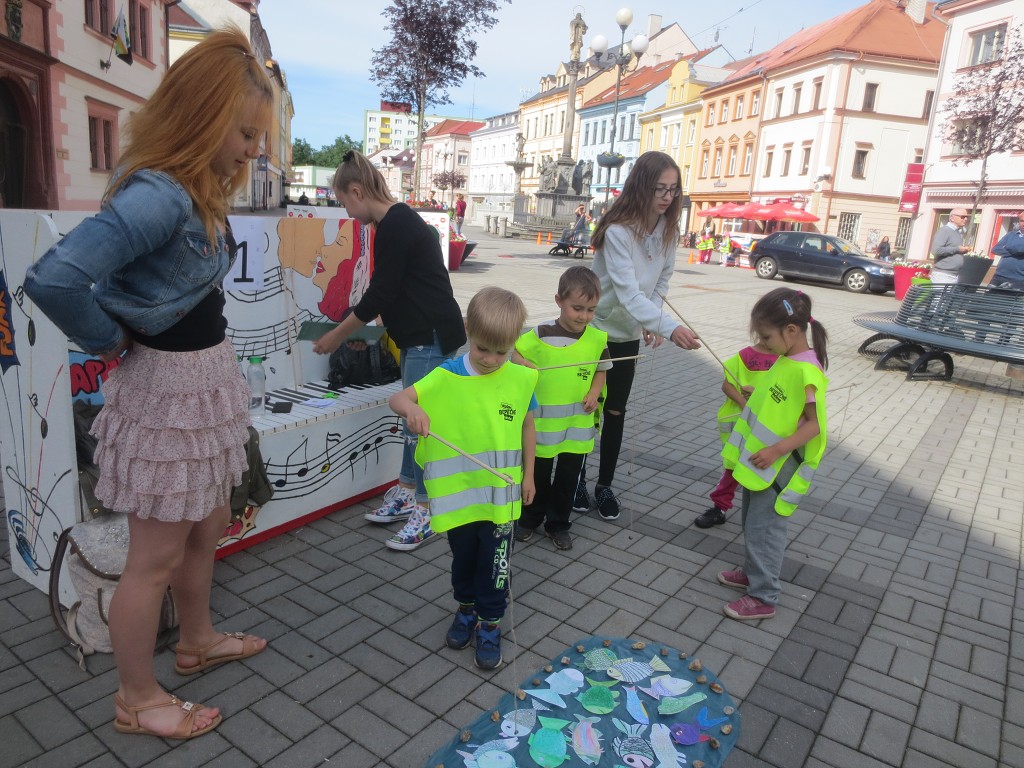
(1010, 250)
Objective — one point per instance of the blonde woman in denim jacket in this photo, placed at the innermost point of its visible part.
(143, 278)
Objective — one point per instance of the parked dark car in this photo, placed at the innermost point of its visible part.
(825, 258)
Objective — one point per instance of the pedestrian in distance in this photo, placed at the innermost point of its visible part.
(948, 249)
(411, 292)
(460, 212)
(705, 245)
(484, 405)
(776, 444)
(634, 256)
(742, 372)
(573, 360)
(884, 250)
(142, 279)
(1010, 250)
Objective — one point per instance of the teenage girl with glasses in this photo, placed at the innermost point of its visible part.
(634, 255)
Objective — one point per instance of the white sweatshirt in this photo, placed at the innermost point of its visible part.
(633, 271)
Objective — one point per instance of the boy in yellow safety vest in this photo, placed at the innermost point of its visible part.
(573, 359)
(482, 404)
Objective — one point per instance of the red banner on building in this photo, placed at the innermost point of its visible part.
(910, 199)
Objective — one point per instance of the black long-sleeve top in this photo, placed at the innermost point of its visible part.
(409, 287)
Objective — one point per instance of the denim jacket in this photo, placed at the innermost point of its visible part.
(143, 261)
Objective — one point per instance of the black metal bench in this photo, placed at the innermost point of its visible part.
(936, 320)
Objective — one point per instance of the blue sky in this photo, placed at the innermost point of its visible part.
(325, 47)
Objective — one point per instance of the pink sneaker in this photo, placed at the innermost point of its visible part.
(749, 608)
(736, 579)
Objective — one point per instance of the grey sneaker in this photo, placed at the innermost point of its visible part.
(561, 539)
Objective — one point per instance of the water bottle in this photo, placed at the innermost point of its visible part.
(256, 378)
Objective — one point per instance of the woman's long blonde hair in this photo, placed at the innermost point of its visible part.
(182, 127)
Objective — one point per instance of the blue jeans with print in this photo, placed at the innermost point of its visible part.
(417, 362)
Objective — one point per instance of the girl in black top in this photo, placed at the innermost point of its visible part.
(410, 290)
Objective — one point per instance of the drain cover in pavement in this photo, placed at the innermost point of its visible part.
(607, 701)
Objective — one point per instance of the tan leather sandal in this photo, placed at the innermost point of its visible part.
(184, 729)
(249, 648)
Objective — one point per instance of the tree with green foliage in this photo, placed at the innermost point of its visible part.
(302, 153)
(431, 51)
(328, 156)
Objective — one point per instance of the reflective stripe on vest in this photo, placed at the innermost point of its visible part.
(441, 468)
(471, 497)
(560, 411)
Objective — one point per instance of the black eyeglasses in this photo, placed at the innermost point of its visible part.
(660, 191)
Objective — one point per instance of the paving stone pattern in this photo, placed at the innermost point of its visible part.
(897, 642)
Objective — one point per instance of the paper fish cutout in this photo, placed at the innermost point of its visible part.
(630, 671)
(632, 750)
(661, 743)
(548, 746)
(586, 740)
(493, 754)
(598, 699)
(675, 705)
(599, 659)
(520, 722)
(635, 707)
(666, 685)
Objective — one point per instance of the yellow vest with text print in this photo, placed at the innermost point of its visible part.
(482, 415)
(773, 414)
(562, 424)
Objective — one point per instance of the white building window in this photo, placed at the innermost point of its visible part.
(987, 45)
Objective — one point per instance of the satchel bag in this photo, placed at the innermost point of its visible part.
(98, 550)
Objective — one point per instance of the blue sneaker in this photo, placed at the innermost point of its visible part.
(488, 645)
(460, 633)
(397, 506)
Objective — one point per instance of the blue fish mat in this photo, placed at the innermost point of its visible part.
(604, 701)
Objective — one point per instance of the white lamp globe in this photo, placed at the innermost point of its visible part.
(639, 44)
(624, 17)
(599, 44)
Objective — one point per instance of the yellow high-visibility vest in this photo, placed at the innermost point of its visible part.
(482, 415)
(562, 424)
(773, 414)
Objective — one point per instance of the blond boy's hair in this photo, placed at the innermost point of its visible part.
(495, 317)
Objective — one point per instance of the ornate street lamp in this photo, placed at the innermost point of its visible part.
(605, 59)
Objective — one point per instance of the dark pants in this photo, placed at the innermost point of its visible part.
(619, 383)
(480, 570)
(553, 500)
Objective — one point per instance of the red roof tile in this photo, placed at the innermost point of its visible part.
(456, 127)
(636, 83)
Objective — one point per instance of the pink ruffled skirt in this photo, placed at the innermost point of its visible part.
(172, 433)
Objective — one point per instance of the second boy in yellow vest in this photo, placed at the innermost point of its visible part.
(482, 404)
(568, 395)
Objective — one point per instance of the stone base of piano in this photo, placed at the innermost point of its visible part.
(320, 459)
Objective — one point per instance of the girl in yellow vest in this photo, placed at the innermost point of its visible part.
(481, 403)
(743, 371)
(568, 397)
(776, 444)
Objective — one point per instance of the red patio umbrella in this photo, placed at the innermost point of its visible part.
(723, 211)
(777, 212)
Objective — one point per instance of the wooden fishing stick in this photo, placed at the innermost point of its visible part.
(589, 362)
(474, 459)
(708, 348)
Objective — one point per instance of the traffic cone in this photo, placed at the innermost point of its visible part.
(692, 259)
(549, 238)
(538, 238)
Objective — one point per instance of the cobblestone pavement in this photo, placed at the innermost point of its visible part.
(898, 641)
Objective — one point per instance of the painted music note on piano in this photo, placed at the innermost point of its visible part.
(341, 454)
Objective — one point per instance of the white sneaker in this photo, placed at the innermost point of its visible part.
(416, 531)
(398, 505)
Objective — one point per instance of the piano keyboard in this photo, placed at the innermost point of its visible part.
(350, 398)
